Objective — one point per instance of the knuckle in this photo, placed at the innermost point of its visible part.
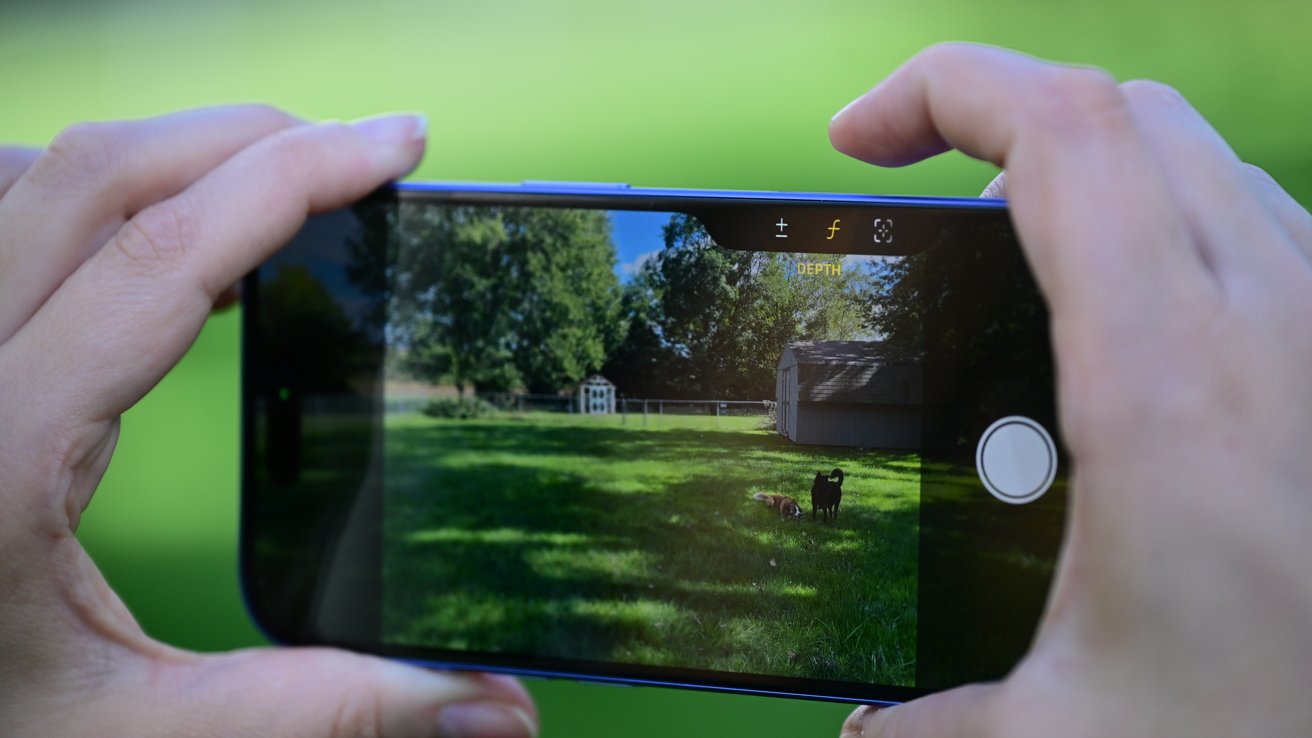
(274, 116)
(157, 238)
(80, 152)
(941, 58)
(16, 157)
(1087, 84)
(358, 715)
(296, 149)
(1080, 99)
(1261, 176)
(946, 51)
(306, 154)
(1152, 93)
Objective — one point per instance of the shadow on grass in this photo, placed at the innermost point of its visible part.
(644, 546)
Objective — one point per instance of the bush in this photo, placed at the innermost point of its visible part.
(458, 408)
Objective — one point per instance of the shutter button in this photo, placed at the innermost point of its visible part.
(1016, 459)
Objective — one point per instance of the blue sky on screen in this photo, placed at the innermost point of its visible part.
(637, 237)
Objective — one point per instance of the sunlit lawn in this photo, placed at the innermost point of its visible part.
(581, 537)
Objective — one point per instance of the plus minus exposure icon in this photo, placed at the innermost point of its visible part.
(781, 225)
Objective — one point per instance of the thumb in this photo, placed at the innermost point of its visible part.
(965, 712)
(281, 693)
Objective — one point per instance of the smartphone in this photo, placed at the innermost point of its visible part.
(773, 443)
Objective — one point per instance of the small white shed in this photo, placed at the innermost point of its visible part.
(596, 396)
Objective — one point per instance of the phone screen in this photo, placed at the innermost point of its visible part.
(665, 445)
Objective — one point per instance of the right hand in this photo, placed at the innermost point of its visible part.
(1179, 283)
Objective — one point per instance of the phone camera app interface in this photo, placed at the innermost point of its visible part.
(608, 438)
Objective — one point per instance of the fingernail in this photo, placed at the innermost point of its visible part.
(844, 110)
(855, 725)
(393, 128)
(485, 720)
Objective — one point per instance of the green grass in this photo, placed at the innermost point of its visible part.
(599, 538)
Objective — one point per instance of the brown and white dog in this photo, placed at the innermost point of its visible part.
(787, 506)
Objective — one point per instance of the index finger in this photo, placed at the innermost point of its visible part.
(14, 161)
(1093, 209)
(127, 314)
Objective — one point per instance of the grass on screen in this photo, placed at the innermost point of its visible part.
(589, 537)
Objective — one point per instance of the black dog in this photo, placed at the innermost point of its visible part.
(827, 493)
(836, 485)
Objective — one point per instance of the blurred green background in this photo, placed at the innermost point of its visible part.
(671, 93)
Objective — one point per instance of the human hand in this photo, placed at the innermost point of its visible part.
(115, 243)
(1179, 283)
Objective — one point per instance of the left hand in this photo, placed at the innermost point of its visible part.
(115, 243)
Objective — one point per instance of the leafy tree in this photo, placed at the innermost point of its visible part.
(495, 298)
(970, 313)
(641, 364)
(712, 322)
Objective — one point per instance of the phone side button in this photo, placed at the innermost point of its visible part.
(1016, 460)
(551, 184)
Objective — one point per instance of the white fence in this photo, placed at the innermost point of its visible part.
(647, 412)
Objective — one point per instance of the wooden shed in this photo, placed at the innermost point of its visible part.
(597, 396)
(847, 393)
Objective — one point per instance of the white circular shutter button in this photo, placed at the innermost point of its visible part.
(1016, 460)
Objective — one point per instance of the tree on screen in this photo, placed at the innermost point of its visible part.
(969, 311)
(709, 322)
(495, 299)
